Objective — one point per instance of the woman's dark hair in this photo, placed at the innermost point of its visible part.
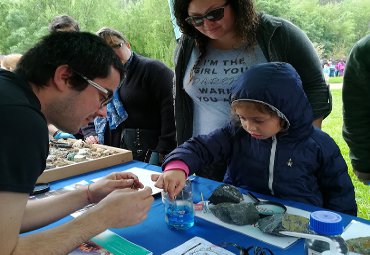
(246, 23)
(83, 52)
(63, 21)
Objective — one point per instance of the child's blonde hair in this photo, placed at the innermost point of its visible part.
(9, 62)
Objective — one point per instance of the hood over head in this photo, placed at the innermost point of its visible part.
(279, 86)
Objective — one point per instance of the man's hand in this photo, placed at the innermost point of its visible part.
(119, 180)
(124, 207)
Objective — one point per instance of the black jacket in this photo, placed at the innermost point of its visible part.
(146, 95)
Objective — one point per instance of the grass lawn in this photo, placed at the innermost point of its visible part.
(338, 79)
(333, 126)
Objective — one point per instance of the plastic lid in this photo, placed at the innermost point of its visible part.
(326, 223)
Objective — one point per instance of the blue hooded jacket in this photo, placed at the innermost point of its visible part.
(301, 163)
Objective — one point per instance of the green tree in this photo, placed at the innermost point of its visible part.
(148, 27)
(332, 25)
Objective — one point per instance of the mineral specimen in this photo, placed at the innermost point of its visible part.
(239, 214)
(283, 222)
(64, 152)
(359, 245)
(226, 193)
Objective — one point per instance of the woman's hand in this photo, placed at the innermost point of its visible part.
(92, 139)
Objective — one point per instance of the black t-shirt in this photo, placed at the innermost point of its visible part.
(24, 141)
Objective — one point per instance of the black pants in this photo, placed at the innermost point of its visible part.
(142, 142)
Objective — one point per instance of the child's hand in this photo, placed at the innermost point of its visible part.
(170, 181)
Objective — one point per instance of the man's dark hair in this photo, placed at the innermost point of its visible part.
(63, 21)
(83, 52)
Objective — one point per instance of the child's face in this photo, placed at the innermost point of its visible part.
(258, 124)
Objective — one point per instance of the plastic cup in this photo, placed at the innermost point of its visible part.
(179, 212)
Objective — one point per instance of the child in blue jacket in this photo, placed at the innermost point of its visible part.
(272, 147)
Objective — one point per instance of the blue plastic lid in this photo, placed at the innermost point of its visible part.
(326, 223)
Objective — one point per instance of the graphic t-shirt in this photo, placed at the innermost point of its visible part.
(211, 84)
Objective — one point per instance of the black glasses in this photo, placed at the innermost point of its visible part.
(212, 15)
(251, 250)
(108, 94)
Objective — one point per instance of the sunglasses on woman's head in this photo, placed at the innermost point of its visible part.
(212, 15)
(117, 46)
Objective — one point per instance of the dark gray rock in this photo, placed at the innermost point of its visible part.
(226, 193)
(238, 214)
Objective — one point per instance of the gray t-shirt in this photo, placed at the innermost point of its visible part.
(211, 83)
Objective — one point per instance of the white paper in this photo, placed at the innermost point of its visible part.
(198, 246)
(144, 176)
(254, 231)
(356, 229)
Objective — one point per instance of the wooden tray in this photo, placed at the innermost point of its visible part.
(58, 173)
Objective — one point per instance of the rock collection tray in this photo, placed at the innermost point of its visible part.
(73, 157)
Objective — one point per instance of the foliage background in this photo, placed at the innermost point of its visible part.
(332, 25)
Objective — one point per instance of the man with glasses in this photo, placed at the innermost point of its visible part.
(66, 80)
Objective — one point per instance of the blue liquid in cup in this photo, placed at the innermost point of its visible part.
(180, 214)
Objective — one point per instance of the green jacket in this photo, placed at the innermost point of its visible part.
(356, 107)
(279, 40)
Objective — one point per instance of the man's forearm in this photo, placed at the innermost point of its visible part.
(44, 211)
(62, 239)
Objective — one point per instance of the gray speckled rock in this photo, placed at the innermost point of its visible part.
(226, 193)
(238, 214)
(271, 224)
(359, 245)
(283, 222)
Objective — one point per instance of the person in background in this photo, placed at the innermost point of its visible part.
(63, 23)
(9, 62)
(271, 147)
(332, 68)
(221, 40)
(326, 71)
(140, 118)
(356, 108)
(341, 65)
(59, 81)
